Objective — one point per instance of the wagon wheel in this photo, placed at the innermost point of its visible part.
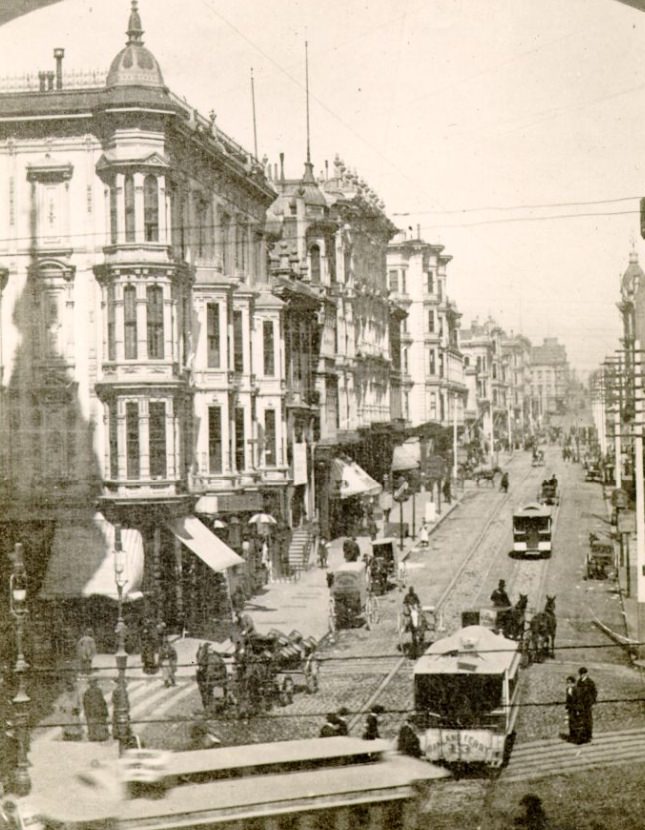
(332, 615)
(400, 630)
(372, 611)
(311, 670)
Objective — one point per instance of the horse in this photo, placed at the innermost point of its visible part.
(543, 627)
(415, 622)
(487, 474)
(511, 620)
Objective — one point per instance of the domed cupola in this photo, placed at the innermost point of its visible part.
(633, 278)
(135, 65)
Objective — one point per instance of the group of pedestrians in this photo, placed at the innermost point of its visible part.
(408, 742)
(581, 695)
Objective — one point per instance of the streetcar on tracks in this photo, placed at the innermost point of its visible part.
(319, 782)
(466, 693)
(532, 529)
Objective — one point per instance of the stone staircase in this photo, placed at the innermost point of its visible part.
(300, 549)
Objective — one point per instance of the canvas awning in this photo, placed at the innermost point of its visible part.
(203, 543)
(351, 480)
(407, 456)
(81, 563)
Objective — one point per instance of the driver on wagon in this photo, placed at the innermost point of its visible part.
(499, 597)
(411, 600)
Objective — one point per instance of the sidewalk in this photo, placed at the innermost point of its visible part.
(304, 605)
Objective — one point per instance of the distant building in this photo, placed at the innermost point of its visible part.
(486, 371)
(516, 350)
(434, 389)
(549, 378)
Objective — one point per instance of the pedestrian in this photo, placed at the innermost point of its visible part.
(408, 742)
(323, 552)
(573, 712)
(371, 731)
(69, 708)
(329, 729)
(168, 663)
(447, 492)
(329, 576)
(341, 722)
(503, 485)
(149, 647)
(424, 534)
(202, 675)
(587, 695)
(86, 651)
(120, 703)
(96, 712)
(238, 599)
(534, 817)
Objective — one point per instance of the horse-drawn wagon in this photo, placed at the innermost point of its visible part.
(383, 565)
(270, 668)
(420, 623)
(600, 562)
(352, 602)
(549, 492)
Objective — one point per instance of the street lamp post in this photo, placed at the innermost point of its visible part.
(20, 703)
(121, 703)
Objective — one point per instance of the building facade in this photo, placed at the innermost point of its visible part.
(142, 358)
(434, 388)
(549, 378)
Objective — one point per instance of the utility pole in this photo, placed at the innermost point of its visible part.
(454, 437)
(640, 496)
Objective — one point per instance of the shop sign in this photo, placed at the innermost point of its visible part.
(240, 502)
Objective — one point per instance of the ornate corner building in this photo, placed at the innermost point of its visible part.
(142, 372)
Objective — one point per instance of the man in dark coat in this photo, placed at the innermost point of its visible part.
(408, 741)
(587, 696)
(341, 723)
(96, 712)
(499, 597)
(371, 731)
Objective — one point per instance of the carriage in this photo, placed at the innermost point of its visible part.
(352, 602)
(532, 530)
(466, 693)
(538, 458)
(486, 474)
(383, 565)
(593, 472)
(549, 492)
(600, 561)
(274, 665)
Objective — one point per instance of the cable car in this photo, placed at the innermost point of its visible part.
(466, 696)
(532, 530)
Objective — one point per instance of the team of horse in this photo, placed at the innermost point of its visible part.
(536, 636)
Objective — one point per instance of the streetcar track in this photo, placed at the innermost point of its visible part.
(494, 519)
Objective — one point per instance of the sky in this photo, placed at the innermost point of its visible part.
(508, 130)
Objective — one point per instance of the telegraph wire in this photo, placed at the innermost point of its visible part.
(50, 248)
(383, 712)
(520, 206)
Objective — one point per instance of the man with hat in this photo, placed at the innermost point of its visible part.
(587, 694)
(499, 597)
(408, 741)
(329, 729)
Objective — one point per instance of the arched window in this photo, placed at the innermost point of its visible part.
(151, 209)
(314, 263)
(128, 192)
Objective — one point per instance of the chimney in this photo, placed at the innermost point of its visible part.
(326, 170)
(42, 81)
(281, 168)
(50, 81)
(59, 54)
(418, 231)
